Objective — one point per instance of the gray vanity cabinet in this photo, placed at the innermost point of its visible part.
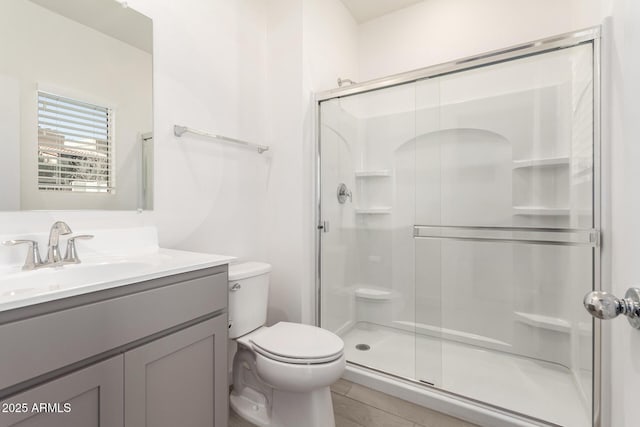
(93, 395)
(152, 353)
(179, 380)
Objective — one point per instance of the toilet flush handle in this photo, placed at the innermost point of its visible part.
(235, 287)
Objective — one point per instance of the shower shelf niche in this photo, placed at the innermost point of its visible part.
(544, 322)
(385, 173)
(374, 190)
(539, 163)
(376, 294)
(530, 176)
(540, 211)
(382, 210)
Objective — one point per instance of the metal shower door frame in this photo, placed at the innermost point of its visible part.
(586, 36)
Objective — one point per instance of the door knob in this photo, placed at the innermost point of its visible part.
(606, 306)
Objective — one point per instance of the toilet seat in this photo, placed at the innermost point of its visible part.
(296, 343)
(283, 359)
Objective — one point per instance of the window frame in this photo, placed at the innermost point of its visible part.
(94, 146)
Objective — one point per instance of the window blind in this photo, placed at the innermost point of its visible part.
(75, 144)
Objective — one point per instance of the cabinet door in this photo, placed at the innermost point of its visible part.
(86, 398)
(179, 380)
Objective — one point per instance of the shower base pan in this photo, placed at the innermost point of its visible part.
(539, 389)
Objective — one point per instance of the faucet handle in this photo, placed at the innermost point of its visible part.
(33, 259)
(71, 255)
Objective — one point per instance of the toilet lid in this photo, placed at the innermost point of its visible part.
(248, 269)
(297, 343)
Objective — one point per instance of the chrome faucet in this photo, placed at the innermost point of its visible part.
(53, 251)
(54, 258)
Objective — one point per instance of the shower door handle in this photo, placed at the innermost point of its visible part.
(606, 306)
(324, 226)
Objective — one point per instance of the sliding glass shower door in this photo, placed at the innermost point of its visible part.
(504, 232)
(367, 257)
(460, 231)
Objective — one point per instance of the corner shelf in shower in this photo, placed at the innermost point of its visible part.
(382, 210)
(540, 211)
(539, 163)
(373, 173)
(545, 322)
(373, 293)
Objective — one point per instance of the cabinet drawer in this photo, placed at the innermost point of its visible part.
(41, 344)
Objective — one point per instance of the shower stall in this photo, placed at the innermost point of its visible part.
(458, 228)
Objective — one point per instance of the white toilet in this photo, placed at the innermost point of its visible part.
(282, 373)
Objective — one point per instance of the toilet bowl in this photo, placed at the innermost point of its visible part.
(282, 373)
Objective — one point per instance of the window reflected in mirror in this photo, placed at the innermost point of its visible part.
(74, 145)
(76, 116)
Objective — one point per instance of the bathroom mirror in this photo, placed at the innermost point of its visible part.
(76, 115)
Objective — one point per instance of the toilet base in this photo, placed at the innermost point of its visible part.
(251, 406)
(288, 409)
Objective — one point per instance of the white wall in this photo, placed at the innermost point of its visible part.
(209, 73)
(284, 216)
(330, 36)
(623, 342)
(329, 51)
(9, 137)
(310, 44)
(437, 31)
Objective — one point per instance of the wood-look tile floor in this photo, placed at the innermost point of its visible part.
(358, 406)
(237, 421)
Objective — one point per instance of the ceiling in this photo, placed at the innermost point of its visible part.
(108, 17)
(366, 10)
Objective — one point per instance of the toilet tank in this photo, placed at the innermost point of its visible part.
(248, 297)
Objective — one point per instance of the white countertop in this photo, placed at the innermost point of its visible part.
(102, 267)
(23, 288)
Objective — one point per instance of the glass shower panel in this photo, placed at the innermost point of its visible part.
(504, 208)
(367, 252)
(338, 258)
(425, 168)
(512, 335)
(515, 144)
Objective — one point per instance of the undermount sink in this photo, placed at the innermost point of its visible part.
(98, 271)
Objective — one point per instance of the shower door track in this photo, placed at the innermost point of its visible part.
(590, 237)
(463, 398)
(576, 38)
